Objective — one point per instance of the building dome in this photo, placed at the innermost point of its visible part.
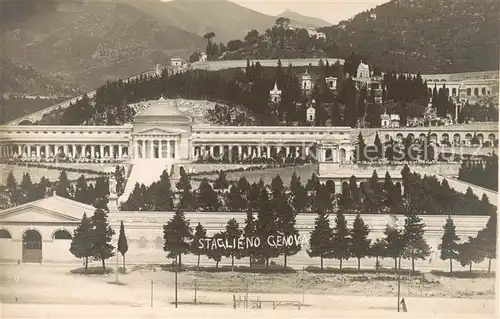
(161, 110)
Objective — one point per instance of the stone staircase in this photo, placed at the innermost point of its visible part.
(145, 171)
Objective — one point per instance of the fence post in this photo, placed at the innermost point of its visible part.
(195, 284)
(151, 293)
(234, 302)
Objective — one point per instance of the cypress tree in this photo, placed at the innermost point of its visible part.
(341, 241)
(101, 236)
(122, 242)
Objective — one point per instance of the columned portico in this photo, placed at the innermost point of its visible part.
(155, 147)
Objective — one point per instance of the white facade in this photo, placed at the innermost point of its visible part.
(363, 71)
(306, 81)
(275, 94)
(203, 57)
(331, 82)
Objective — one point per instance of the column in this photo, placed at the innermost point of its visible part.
(47, 151)
(259, 149)
(92, 151)
(151, 148)
(160, 149)
(287, 151)
(38, 150)
(230, 153)
(19, 150)
(120, 151)
(111, 151)
(101, 151)
(221, 151)
(169, 152)
(211, 151)
(176, 148)
(73, 151)
(136, 149)
(65, 149)
(143, 148)
(306, 150)
(240, 150)
(268, 151)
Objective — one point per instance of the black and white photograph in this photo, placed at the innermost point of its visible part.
(249, 158)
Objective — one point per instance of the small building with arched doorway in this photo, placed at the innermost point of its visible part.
(41, 230)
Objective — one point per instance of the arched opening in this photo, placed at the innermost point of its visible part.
(61, 234)
(411, 137)
(422, 136)
(491, 139)
(476, 91)
(456, 138)
(399, 137)
(483, 91)
(469, 91)
(143, 242)
(328, 155)
(480, 138)
(4, 234)
(454, 91)
(342, 155)
(159, 243)
(26, 122)
(32, 247)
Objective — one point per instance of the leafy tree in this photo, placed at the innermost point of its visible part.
(164, 199)
(120, 179)
(266, 227)
(63, 185)
(378, 250)
(360, 244)
(122, 242)
(177, 235)
(298, 193)
(187, 199)
(81, 244)
(231, 234)
(394, 243)
(413, 233)
(235, 199)
(207, 198)
(320, 242)
(340, 240)
(217, 253)
(221, 181)
(449, 243)
(101, 236)
(469, 253)
(199, 233)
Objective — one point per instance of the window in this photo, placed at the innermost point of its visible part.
(4, 234)
(61, 234)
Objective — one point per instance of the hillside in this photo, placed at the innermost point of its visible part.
(431, 36)
(90, 42)
(15, 79)
(305, 21)
(226, 19)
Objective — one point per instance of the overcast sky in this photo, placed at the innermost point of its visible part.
(332, 11)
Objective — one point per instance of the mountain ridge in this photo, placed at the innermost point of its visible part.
(306, 21)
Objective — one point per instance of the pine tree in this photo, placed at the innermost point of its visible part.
(360, 150)
(298, 193)
(199, 233)
(81, 244)
(231, 234)
(177, 235)
(414, 230)
(449, 243)
(487, 239)
(81, 191)
(320, 242)
(469, 253)
(207, 199)
(122, 242)
(360, 244)
(341, 240)
(102, 233)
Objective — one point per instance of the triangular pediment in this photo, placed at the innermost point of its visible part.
(34, 214)
(157, 130)
(47, 210)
